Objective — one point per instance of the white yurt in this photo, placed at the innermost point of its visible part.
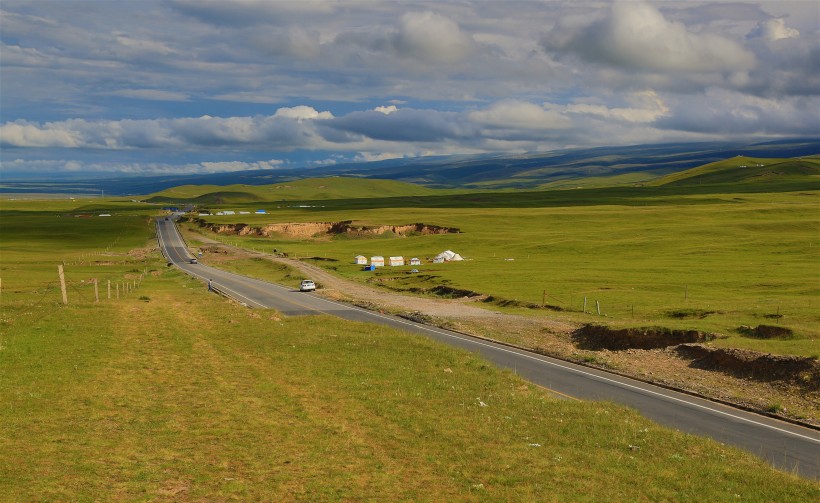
(447, 256)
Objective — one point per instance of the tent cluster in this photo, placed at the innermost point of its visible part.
(378, 261)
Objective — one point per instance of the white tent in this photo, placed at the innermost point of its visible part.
(377, 261)
(395, 261)
(360, 259)
(447, 256)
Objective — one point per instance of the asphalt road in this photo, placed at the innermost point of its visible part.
(787, 446)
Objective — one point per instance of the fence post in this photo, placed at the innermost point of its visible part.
(585, 304)
(96, 292)
(598, 304)
(62, 283)
(109, 289)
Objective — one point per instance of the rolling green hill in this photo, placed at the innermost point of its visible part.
(299, 190)
(745, 170)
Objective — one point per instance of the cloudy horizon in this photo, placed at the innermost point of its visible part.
(193, 86)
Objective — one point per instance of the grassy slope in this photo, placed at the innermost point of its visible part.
(744, 170)
(172, 393)
(180, 395)
(308, 189)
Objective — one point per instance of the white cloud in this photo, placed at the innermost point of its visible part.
(773, 30)
(636, 35)
(217, 167)
(29, 166)
(648, 107)
(378, 156)
(288, 128)
(512, 114)
(386, 110)
(302, 112)
(432, 38)
(734, 115)
(150, 94)
(21, 134)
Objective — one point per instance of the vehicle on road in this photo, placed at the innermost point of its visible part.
(193, 261)
(307, 286)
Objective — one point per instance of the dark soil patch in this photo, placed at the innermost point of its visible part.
(766, 332)
(597, 337)
(743, 363)
(452, 293)
(687, 314)
(517, 303)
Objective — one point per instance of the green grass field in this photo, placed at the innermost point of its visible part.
(709, 262)
(171, 393)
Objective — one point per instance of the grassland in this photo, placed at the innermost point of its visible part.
(712, 262)
(310, 189)
(170, 393)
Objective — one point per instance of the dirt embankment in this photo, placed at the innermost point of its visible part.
(302, 230)
(804, 372)
(596, 337)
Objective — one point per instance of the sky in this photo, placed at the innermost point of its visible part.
(203, 86)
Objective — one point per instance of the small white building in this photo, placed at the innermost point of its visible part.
(377, 261)
(396, 261)
(360, 260)
(415, 261)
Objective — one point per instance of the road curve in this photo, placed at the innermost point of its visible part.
(787, 446)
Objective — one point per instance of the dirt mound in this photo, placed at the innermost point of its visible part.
(685, 314)
(303, 230)
(743, 363)
(597, 337)
(498, 301)
(766, 332)
(451, 293)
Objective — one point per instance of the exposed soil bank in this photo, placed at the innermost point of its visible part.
(597, 337)
(803, 371)
(766, 332)
(302, 230)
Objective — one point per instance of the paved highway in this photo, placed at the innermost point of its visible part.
(789, 447)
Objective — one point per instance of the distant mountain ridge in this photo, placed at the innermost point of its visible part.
(598, 166)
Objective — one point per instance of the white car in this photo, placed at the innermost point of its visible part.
(307, 286)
